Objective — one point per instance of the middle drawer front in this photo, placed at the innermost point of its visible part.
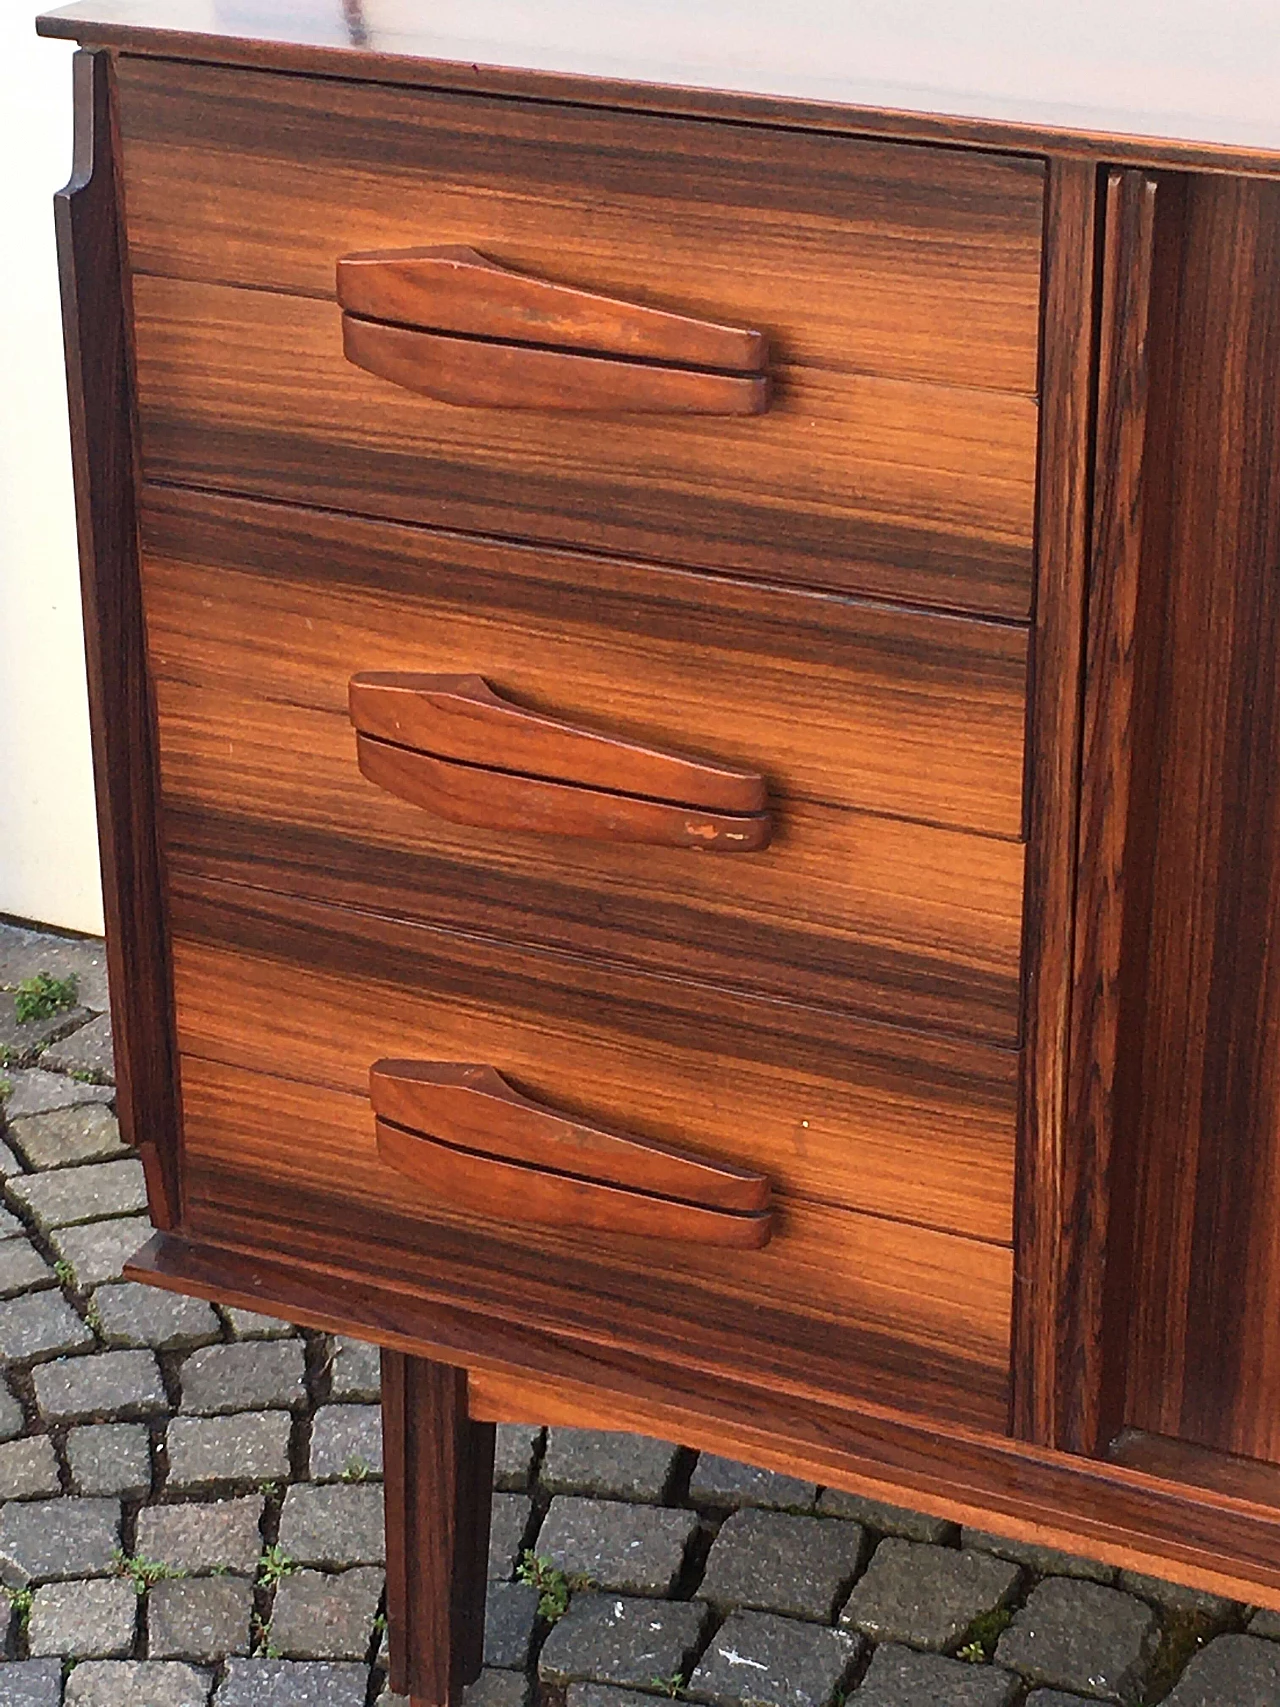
(891, 742)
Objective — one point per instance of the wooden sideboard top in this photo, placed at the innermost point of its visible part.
(1195, 84)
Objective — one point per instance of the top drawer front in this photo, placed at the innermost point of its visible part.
(898, 287)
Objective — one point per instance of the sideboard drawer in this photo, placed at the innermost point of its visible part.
(871, 1139)
(897, 289)
(258, 617)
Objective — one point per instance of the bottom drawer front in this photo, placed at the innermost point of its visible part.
(840, 1303)
(283, 1007)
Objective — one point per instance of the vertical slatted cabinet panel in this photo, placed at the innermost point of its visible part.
(1175, 1093)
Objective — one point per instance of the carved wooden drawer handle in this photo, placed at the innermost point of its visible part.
(462, 1130)
(458, 327)
(453, 746)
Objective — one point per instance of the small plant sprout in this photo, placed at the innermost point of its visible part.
(983, 1634)
(65, 1273)
(274, 1566)
(355, 1470)
(553, 1586)
(43, 996)
(142, 1573)
(671, 1686)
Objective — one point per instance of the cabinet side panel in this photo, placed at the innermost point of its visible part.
(95, 324)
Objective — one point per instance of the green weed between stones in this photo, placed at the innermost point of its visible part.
(43, 996)
(143, 1573)
(20, 1600)
(553, 1585)
(355, 1470)
(983, 1634)
(65, 1273)
(274, 1566)
(263, 1647)
(672, 1686)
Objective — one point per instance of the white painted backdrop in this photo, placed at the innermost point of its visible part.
(48, 844)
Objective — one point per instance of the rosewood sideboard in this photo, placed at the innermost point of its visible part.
(685, 667)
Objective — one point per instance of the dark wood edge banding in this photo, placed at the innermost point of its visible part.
(95, 310)
(1053, 736)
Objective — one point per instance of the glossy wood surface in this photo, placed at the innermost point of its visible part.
(1043, 1217)
(1093, 1305)
(438, 1479)
(502, 801)
(95, 305)
(836, 701)
(866, 473)
(455, 289)
(1190, 85)
(478, 374)
(1203, 1233)
(1130, 1518)
(866, 1118)
(472, 1107)
(835, 1301)
(460, 717)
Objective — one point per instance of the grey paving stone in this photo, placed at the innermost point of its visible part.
(1178, 1598)
(611, 1466)
(1081, 1636)
(250, 1325)
(345, 1438)
(113, 1384)
(25, 952)
(888, 1519)
(800, 1566)
(636, 1549)
(355, 1371)
(1044, 1561)
(1233, 1671)
(84, 1131)
(31, 1683)
(336, 1524)
(607, 1638)
(199, 1618)
(10, 1225)
(726, 1482)
(11, 1418)
(29, 1469)
(9, 1163)
(897, 1677)
(1265, 1623)
(321, 1615)
(926, 1596)
(23, 1269)
(491, 1689)
(223, 1535)
(292, 1683)
(510, 1618)
(252, 1446)
(23, 1045)
(604, 1695)
(86, 1620)
(515, 1451)
(86, 1050)
(68, 1196)
(109, 1458)
(98, 1252)
(137, 1683)
(252, 1375)
(52, 1540)
(507, 1528)
(757, 1659)
(132, 1315)
(40, 1324)
(36, 1092)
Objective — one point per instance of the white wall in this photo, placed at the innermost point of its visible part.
(48, 844)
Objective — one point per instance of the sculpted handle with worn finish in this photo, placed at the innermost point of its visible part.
(450, 744)
(479, 1144)
(460, 328)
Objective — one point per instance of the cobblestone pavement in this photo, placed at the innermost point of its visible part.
(191, 1504)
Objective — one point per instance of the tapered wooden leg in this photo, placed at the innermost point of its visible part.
(439, 1475)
